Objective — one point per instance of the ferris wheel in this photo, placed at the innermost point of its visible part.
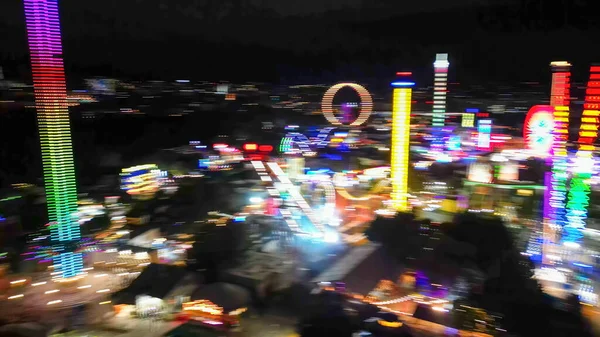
(538, 128)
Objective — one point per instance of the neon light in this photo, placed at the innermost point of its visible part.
(468, 120)
(401, 108)
(365, 109)
(484, 130)
(45, 47)
(265, 148)
(583, 167)
(403, 84)
(538, 128)
(440, 89)
(250, 147)
(557, 184)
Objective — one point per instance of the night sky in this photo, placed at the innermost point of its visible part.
(311, 40)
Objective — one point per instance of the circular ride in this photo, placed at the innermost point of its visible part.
(537, 129)
(366, 106)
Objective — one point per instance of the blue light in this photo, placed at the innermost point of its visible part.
(402, 84)
(472, 110)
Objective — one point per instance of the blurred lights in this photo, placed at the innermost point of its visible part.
(538, 128)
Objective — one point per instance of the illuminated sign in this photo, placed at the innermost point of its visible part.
(401, 108)
(484, 131)
(45, 47)
(468, 120)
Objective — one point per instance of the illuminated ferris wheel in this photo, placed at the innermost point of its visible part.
(537, 129)
(366, 106)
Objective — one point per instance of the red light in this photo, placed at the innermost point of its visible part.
(595, 69)
(483, 114)
(404, 73)
(265, 148)
(250, 147)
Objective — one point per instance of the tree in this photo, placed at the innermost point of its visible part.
(400, 235)
(326, 317)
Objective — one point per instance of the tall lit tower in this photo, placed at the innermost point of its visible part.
(583, 164)
(45, 47)
(440, 87)
(401, 108)
(555, 217)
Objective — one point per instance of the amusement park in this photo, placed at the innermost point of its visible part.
(385, 208)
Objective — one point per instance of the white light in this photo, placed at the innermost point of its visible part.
(51, 291)
(54, 302)
(15, 296)
(103, 291)
(571, 245)
(256, 200)
(101, 275)
(38, 284)
(331, 237)
(18, 281)
(84, 287)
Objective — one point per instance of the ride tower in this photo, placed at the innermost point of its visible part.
(45, 47)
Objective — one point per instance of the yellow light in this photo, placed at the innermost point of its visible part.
(105, 302)
(401, 106)
(389, 324)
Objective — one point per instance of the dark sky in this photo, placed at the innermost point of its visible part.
(310, 40)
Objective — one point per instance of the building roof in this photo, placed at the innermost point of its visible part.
(157, 280)
(360, 269)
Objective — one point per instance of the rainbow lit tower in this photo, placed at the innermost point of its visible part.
(45, 47)
(401, 108)
(555, 200)
(583, 164)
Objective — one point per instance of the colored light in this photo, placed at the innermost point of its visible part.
(484, 130)
(250, 147)
(401, 108)
(583, 166)
(45, 47)
(265, 148)
(404, 73)
(468, 120)
(538, 129)
(555, 214)
(365, 109)
(440, 88)
(402, 84)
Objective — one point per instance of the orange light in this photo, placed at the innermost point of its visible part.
(250, 147)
